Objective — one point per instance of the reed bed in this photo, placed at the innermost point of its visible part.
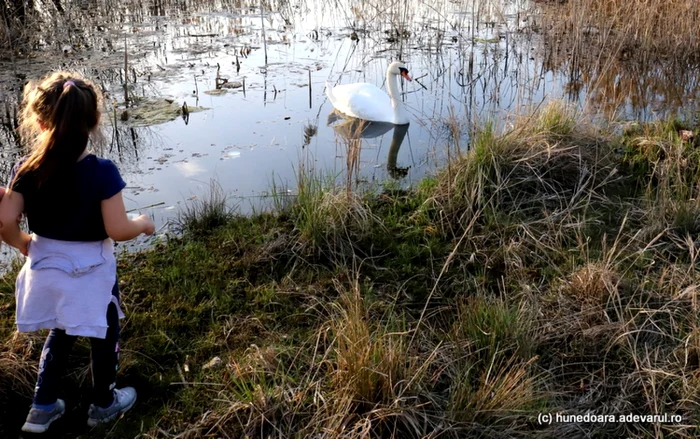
(624, 54)
(635, 28)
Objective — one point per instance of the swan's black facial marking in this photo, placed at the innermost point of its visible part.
(404, 72)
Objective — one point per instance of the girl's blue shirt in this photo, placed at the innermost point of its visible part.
(69, 207)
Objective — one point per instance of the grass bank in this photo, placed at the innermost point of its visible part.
(548, 269)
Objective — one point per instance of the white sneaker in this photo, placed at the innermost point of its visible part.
(124, 399)
(38, 420)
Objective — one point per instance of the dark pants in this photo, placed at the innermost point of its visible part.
(105, 361)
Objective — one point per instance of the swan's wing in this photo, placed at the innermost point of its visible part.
(363, 101)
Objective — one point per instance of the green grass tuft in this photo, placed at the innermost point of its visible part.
(201, 216)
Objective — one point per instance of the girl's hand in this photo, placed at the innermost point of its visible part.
(148, 227)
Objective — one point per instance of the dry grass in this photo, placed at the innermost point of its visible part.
(353, 378)
(532, 275)
(551, 192)
(542, 184)
(494, 379)
(17, 369)
(592, 285)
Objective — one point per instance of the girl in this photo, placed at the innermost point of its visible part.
(73, 203)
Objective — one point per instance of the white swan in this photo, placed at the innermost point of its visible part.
(366, 101)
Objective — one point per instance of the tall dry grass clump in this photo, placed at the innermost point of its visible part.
(328, 220)
(379, 381)
(664, 159)
(17, 370)
(546, 178)
(362, 374)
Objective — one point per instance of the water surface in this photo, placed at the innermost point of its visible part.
(473, 61)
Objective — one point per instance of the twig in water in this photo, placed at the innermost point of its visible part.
(419, 83)
(126, 73)
(167, 223)
(146, 207)
(310, 101)
(115, 132)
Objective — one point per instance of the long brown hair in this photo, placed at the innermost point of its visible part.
(59, 113)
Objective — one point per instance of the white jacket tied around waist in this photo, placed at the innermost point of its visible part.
(67, 285)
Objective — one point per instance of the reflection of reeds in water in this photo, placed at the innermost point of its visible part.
(9, 150)
(668, 86)
(636, 28)
(351, 133)
(9, 118)
(121, 142)
(353, 148)
(629, 53)
(17, 24)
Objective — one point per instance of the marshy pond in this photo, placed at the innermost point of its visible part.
(257, 72)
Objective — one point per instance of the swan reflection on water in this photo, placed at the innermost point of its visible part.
(352, 130)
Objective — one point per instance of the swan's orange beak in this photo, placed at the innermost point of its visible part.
(404, 73)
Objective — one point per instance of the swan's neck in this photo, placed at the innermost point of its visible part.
(400, 115)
